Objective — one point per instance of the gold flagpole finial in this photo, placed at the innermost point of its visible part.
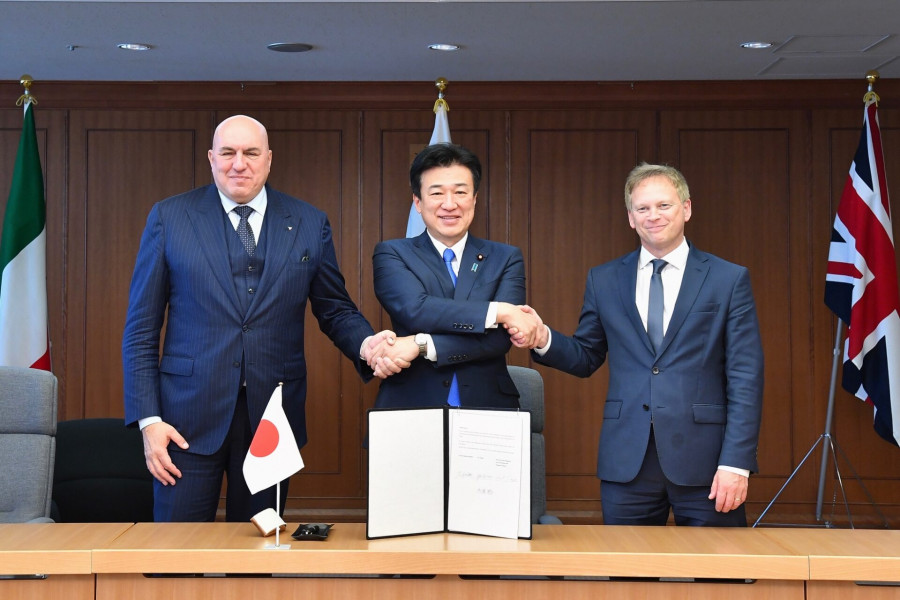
(26, 81)
(441, 84)
(872, 76)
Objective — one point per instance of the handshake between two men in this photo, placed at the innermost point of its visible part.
(388, 354)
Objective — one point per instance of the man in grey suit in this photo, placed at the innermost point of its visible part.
(229, 268)
(447, 293)
(679, 326)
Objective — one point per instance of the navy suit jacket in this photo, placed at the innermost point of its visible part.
(703, 388)
(183, 275)
(414, 287)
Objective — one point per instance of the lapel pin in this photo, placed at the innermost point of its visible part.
(290, 227)
(480, 257)
(474, 267)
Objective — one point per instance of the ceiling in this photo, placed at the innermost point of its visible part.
(611, 40)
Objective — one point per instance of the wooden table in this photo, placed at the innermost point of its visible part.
(51, 561)
(579, 561)
(846, 564)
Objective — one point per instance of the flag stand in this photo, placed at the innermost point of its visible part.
(829, 443)
(278, 545)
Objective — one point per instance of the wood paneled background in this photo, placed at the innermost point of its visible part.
(766, 163)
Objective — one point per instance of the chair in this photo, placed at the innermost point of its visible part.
(101, 475)
(531, 398)
(28, 400)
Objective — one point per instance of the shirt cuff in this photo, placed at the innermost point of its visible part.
(543, 351)
(490, 320)
(431, 353)
(148, 421)
(744, 472)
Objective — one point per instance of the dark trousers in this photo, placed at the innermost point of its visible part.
(646, 500)
(195, 497)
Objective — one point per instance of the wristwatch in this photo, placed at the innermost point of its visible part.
(422, 342)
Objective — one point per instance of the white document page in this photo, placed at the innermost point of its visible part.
(485, 472)
(406, 472)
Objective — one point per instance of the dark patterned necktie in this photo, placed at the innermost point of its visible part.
(244, 231)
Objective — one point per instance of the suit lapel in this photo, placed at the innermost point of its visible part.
(429, 256)
(695, 272)
(206, 219)
(473, 262)
(281, 233)
(628, 275)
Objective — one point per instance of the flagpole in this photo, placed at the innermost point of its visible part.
(829, 416)
(278, 512)
(829, 443)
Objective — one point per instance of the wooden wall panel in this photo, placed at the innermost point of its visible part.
(567, 177)
(121, 163)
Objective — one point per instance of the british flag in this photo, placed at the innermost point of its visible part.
(861, 284)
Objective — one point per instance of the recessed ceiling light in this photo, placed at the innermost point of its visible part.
(444, 47)
(289, 47)
(756, 45)
(133, 46)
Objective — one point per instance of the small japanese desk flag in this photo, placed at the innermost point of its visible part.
(273, 454)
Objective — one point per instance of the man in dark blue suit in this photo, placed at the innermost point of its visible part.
(232, 290)
(447, 293)
(679, 326)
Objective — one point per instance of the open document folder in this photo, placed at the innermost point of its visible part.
(449, 469)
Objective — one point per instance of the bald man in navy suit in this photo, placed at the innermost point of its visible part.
(232, 290)
(682, 414)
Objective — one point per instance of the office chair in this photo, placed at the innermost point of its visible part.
(101, 475)
(28, 399)
(531, 398)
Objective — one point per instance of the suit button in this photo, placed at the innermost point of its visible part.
(245, 328)
(250, 291)
(645, 406)
(236, 364)
(446, 383)
(655, 370)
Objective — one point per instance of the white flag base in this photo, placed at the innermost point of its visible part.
(277, 547)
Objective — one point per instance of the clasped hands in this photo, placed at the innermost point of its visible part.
(524, 325)
(386, 354)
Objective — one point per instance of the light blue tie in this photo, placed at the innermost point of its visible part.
(453, 396)
(655, 306)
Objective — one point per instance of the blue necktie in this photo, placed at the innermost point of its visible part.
(448, 260)
(453, 396)
(655, 306)
(244, 231)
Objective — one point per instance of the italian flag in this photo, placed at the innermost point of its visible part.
(24, 341)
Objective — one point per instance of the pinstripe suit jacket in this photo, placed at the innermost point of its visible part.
(702, 388)
(182, 274)
(414, 287)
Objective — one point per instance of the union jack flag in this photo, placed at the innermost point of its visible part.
(861, 284)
